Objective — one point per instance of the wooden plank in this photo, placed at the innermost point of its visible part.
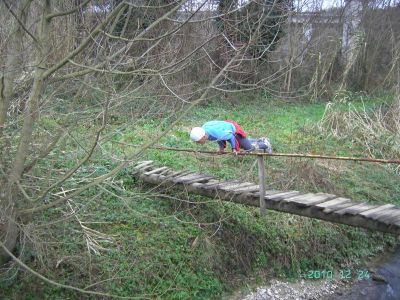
(375, 210)
(333, 202)
(248, 189)
(171, 175)
(184, 174)
(225, 184)
(293, 198)
(212, 182)
(361, 208)
(165, 171)
(271, 192)
(182, 179)
(144, 168)
(354, 209)
(395, 220)
(268, 193)
(155, 171)
(189, 176)
(280, 196)
(176, 173)
(236, 186)
(143, 164)
(194, 177)
(215, 185)
(290, 207)
(316, 199)
(382, 213)
(386, 218)
(333, 208)
(154, 177)
(200, 179)
(392, 220)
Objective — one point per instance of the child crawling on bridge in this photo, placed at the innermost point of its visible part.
(223, 131)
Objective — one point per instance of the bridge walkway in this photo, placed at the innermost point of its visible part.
(323, 206)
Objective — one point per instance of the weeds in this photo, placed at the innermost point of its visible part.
(376, 132)
(181, 246)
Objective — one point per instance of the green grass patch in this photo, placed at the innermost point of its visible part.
(180, 246)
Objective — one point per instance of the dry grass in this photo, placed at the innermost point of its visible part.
(306, 175)
(376, 131)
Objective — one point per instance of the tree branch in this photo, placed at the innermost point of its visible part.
(126, 47)
(135, 155)
(85, 42)
(68, 12)
(20, 23)
(85, 159)
(43, 153)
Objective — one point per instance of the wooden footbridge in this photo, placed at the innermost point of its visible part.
(327, 207)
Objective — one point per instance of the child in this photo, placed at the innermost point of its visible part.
(223, 131)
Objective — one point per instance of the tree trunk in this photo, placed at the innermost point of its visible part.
(13, 60)
(352, 33)
(8, 225)
(10, 200)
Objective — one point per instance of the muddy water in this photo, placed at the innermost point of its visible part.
(384, 282)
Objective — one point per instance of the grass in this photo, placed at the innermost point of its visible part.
(172, 249)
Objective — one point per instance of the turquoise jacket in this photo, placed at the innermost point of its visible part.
(221, 131)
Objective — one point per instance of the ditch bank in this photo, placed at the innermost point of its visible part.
(380, 282)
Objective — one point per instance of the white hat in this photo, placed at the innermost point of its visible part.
(197, 133)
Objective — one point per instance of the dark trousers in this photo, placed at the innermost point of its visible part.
(244, 143)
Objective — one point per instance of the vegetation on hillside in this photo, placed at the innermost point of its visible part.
(88, 87)
(133, 239)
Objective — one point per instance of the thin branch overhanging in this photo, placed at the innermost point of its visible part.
(84, 43)
(68, 12)
(124, 164)
(36, 42)
(138, 153)
(147, 71)
(120, 51)
(85, 159)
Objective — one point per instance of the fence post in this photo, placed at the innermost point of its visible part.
(261, 182)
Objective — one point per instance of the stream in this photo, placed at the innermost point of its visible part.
(380, 281)
(384, 282)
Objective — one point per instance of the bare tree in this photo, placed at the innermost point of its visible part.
(69, 67)
(73, 64)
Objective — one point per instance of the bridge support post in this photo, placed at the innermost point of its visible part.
(261, 182)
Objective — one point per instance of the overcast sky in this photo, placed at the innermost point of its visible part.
(301, 5)
(318, 4)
